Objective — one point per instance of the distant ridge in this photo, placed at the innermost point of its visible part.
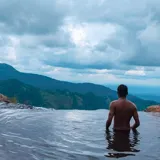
(19, 92)
(45, 83)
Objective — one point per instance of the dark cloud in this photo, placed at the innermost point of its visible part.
(75, 65)
(32, 17)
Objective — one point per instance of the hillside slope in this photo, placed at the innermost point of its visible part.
(27, 94)
(59, 99)
(43, 82)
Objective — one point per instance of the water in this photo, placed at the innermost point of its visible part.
(42, 134)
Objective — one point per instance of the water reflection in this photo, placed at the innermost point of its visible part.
(122, 141)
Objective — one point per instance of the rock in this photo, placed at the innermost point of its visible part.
(6, 103)
(155, 108)
(4, 99)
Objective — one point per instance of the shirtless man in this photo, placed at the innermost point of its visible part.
(122, 110)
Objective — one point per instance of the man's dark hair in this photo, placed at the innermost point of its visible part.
(122, 90)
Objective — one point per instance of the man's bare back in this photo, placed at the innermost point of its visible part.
(122, 110)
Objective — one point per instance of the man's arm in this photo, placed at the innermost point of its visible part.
(136, 118)
(110, 116)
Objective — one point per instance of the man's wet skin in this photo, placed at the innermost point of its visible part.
(122, 111)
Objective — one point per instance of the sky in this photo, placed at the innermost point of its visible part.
(97, 41)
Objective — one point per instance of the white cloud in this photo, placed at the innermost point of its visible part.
(90, 33)
(137, 72)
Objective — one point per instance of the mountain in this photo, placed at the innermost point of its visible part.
(43, 82)
(27, 94)
(149, 97)
(61, 87)
(30, 95)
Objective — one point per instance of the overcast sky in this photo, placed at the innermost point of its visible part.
(99, 41)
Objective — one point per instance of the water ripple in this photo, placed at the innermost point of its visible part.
(40, 134)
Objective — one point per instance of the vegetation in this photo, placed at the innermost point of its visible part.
(59, 99)
(46, 83)
(26, 94)
(13, 100)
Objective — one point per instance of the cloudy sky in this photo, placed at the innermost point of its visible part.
(99, 41)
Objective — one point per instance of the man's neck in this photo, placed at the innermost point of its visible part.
(124, 98)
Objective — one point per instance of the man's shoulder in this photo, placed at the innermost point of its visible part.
(113, 102)
(131, 104)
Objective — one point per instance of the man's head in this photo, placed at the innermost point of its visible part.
(122, 90)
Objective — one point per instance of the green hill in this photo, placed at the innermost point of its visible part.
(59, 99)
(43, 82)
(24, 93)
